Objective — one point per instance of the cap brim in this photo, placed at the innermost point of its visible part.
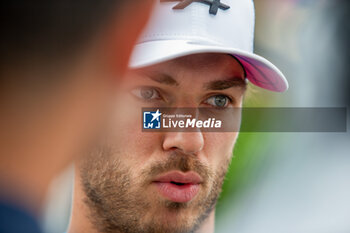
(259, 71)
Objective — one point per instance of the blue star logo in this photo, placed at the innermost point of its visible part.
(151, 120)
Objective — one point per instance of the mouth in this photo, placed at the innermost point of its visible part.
(177, 186)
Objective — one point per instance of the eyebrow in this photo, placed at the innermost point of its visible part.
(225, 84)
(212, 85)
(162, 79)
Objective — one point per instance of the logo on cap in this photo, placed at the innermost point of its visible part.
(215, 5)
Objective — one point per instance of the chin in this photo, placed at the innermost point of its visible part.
(172, 215)
(172, 222)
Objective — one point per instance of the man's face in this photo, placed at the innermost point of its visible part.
(163, 181)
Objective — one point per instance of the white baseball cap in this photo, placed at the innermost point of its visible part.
(183, 27)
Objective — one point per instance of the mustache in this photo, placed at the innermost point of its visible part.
(180, 161)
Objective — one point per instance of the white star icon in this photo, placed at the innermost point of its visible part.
(156, 115)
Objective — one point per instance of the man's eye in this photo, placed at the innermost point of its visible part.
(219, 101)
(146, 93)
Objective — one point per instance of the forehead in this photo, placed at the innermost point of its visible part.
(207, 66)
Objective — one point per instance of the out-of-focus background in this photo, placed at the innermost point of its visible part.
(281, 182)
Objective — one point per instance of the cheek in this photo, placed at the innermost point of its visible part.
(133, 145)
(219, 147)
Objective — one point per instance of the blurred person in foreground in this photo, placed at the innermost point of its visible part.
(60, 63)
(193, 54)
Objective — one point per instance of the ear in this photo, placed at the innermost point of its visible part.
(125, 32)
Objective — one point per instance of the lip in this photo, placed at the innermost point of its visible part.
(177, 186)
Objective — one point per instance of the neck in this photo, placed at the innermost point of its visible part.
(31, 154)
(23, 182)
(27, 165)
(208, 225)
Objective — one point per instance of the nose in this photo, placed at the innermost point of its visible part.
(187, 142)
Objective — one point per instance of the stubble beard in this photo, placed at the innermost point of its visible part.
(116, 203)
